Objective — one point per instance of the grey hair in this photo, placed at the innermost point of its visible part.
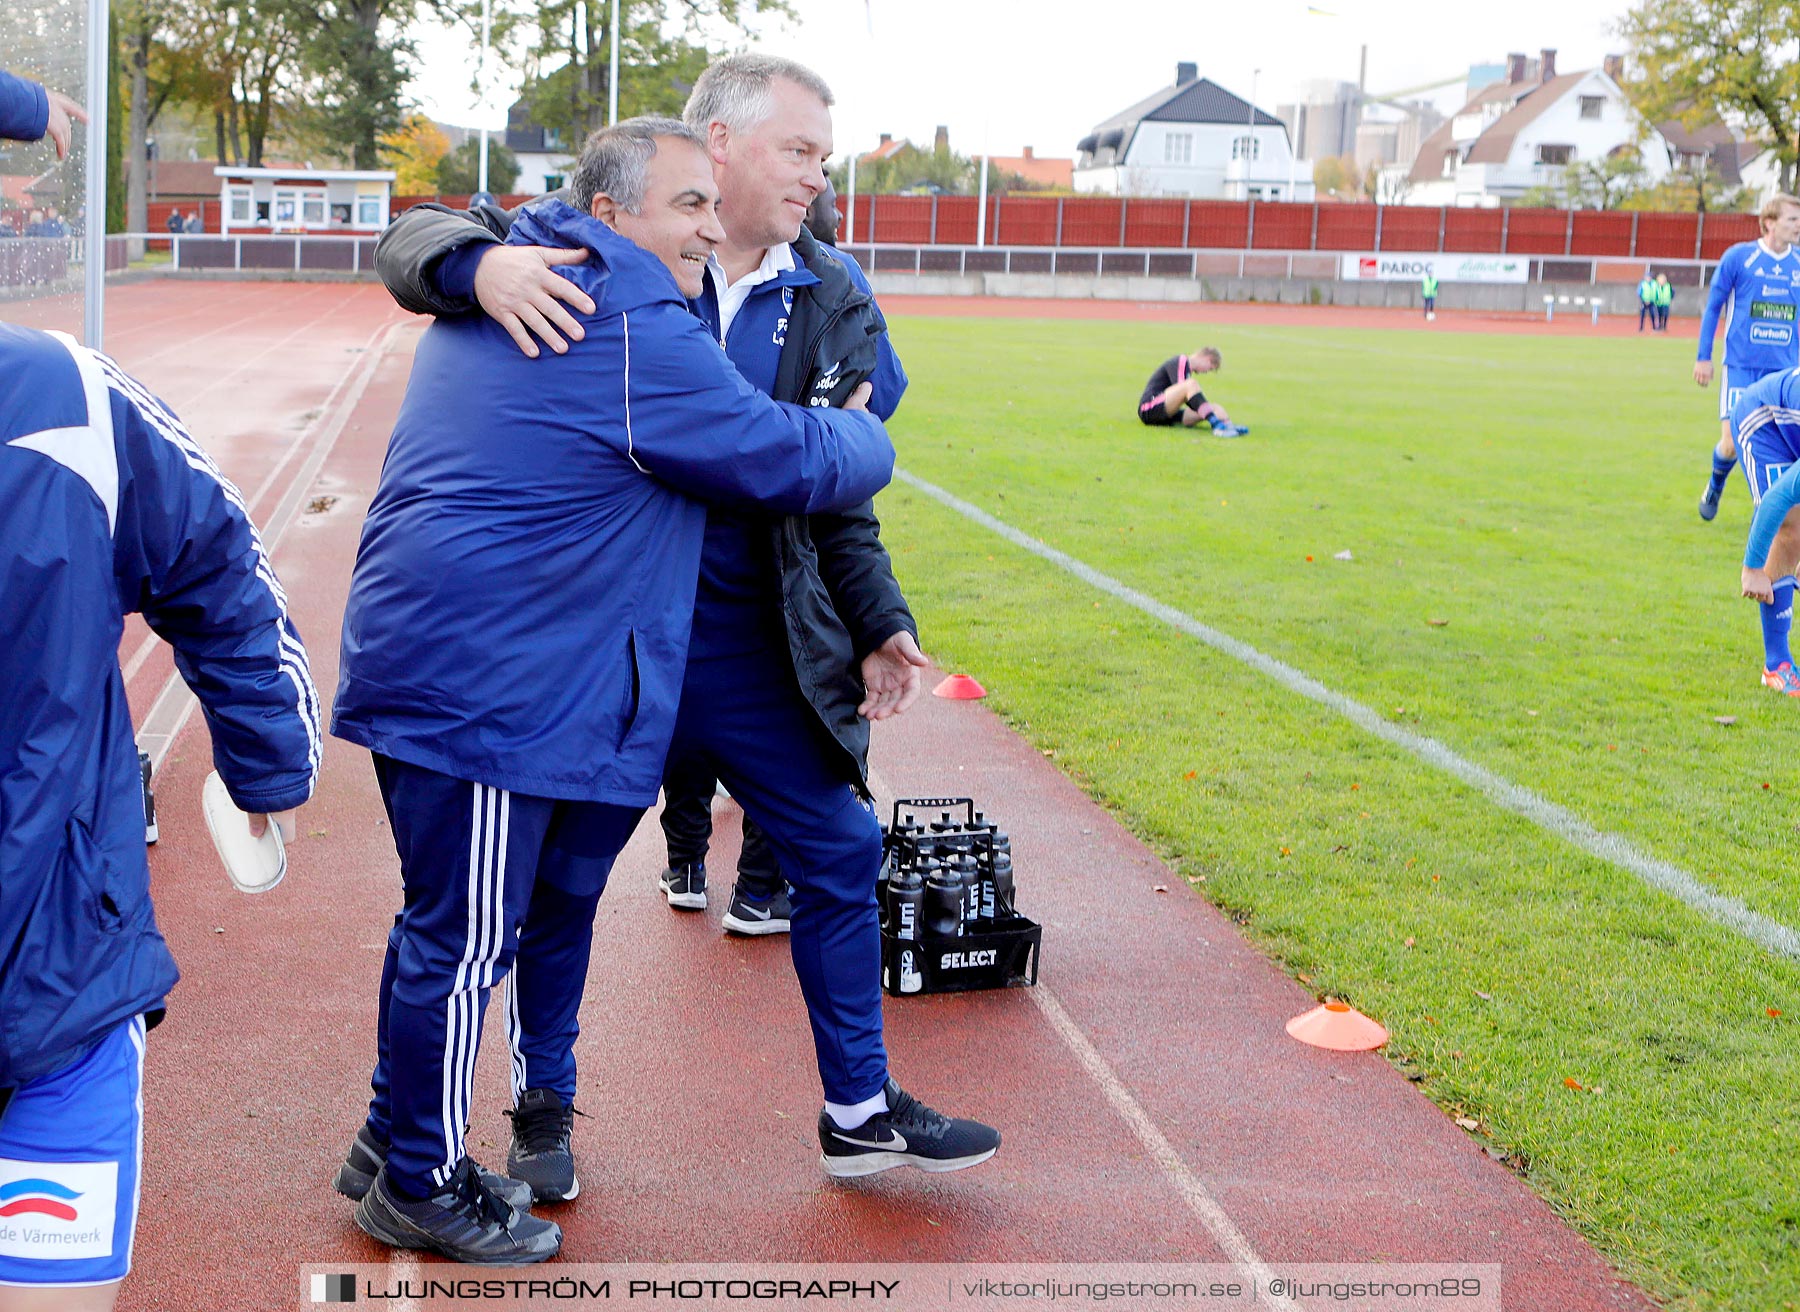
(735, 90)
(614, 161)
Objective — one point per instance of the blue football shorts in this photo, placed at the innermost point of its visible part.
(70, 1147)
(1732, 383)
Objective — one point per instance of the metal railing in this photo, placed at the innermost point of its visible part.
(310, 253)
(1314, 265)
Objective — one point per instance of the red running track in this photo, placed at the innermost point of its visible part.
(1154, 1110)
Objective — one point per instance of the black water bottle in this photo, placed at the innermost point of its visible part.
(968, 883)
(906, 897)
(1003, 878)
(942, 913)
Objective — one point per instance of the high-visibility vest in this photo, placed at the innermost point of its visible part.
(1430, 283)
(1647, 291)
(1665, 293)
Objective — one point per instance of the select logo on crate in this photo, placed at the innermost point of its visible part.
(57, 1209)
(966, 960)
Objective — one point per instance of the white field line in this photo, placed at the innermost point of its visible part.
(169, 713)
(1200, 1201)
(1187, 1185)
(1772, 935)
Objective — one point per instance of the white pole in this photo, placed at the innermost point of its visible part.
(981, 214)
(850, 207)
(1250, 141)
(487, 17)
(94, 227)
(612, 81)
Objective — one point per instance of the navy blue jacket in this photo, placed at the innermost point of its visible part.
(24, 108)
(108, 506)
(524, 591)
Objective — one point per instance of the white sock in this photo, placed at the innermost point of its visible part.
(848, 1116)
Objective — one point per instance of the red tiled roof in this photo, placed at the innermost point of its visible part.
(1044, 172)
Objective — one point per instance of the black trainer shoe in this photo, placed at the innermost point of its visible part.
(463, 1221)
(685, 886)
(746, 915)
(368, 1155)
(908, 1134)
(540, 1153)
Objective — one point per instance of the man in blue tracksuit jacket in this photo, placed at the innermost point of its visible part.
(800, 637)
(516, 635)
(107, 507)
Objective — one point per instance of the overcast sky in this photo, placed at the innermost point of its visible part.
(1020, 74)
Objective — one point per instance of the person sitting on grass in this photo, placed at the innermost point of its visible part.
(1173, 396)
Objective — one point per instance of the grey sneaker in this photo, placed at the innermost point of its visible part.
(540, 1153)
(463, 1221)
(368, 1155)
(685, 886)
(747, 915)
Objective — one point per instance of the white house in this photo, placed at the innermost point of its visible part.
(545, 159)
(1193, 138)
(303, 200)
(1521, 132)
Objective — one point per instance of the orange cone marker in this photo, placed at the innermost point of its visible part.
(960, 688)
(1339, 1027)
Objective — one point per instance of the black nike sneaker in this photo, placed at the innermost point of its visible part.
(540, 1154)
(908, 1133)
(368, 1155)
(463, 1221)
(685, 886)
(754, 917)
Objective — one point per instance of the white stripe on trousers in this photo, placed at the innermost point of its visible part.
(491, 813)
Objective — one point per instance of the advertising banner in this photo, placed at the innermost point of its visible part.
(1406, 266)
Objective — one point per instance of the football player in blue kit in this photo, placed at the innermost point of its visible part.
(1766, 422)
(1756, 285)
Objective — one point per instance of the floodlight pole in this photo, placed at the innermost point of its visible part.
(487, 18)
(93, 231)
(612, 80)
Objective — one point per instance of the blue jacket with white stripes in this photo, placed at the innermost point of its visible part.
(108, 506)
(524, 590)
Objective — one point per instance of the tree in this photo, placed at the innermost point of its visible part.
(240, 59)
(1606, 183)
(1336, 175)
(415, 151)
(663, 48)
(459, 171)
(912, 169)
(1702, 60)
(1693, 185)
(357, 53)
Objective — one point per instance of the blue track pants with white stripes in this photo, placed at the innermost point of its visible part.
(490, 877)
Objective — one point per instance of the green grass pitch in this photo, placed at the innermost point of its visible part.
(1529, 585)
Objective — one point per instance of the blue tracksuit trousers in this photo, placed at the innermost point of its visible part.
(743, 719)
(489, 876)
